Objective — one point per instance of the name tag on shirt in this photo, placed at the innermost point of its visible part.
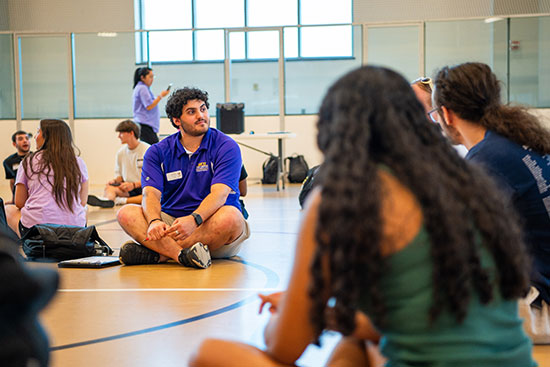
(176, 175)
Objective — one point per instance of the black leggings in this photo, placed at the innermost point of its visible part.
(148, 135)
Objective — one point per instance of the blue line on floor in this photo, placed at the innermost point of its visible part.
(272, 282)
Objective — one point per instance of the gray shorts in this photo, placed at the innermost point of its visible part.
(231, 249)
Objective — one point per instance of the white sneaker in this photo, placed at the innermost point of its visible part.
(120, 201)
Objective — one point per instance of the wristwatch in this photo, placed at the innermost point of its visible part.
(198, 218)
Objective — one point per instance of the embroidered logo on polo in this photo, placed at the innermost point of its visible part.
(201, 167)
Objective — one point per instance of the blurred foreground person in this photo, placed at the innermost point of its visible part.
(432, 272)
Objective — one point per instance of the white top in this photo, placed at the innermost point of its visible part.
(129, 162)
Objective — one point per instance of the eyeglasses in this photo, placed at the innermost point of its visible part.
(432, 115)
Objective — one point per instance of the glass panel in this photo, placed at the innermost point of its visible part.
(167, 14)
(206, 76)
(219, 13)
(272, 13)
(530, 61)
(7, 78)
(325, 12)
(209, 45)
(307, 81)
(291, 42)
(256, 84)
(455, 42)
(332, 41)
(236, 46)
(396, 48)
(104, 71)
(171, 46)
(44, 68)
(263, 45)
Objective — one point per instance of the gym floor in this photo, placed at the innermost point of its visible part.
(158, 314)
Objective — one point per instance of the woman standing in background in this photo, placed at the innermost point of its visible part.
(145, 105)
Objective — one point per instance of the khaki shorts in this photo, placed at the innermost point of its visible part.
(231, 249)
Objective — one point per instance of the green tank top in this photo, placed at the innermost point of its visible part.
(490, 336)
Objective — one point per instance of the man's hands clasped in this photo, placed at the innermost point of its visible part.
(179, 230)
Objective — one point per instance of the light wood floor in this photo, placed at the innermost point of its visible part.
(155, 315)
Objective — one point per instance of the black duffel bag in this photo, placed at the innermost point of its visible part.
(63, 242)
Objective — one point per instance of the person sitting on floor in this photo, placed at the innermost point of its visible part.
(243, 190)
(51, 184)
(20, 140)
(513, 146)
(125, 188)
(190, 181)
(433, 272)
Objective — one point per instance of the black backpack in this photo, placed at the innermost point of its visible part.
(63, 242)
(297, 168)
(270, 168)
(308, 185)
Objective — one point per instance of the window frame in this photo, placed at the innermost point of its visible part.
(143, 49)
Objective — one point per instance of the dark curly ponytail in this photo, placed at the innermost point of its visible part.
(472, 91)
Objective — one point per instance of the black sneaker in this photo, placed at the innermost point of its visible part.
(196, 256)
(132, 253)
(95, 201)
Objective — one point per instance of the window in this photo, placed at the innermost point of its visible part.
(396, 48)
(530, 61)
(198, 29)
(7, 78)
(44, 80)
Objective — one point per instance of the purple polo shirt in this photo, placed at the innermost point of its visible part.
(41, 206)
(184, 180)
(142, 98)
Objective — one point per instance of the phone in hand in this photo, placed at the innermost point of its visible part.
(116, 183)
(169, 86)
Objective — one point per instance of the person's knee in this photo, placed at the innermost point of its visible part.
(128, 213)
(11, 210)
(231, 220)
(204, 354)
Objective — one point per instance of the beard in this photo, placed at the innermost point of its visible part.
(194, 129)
(451, 133)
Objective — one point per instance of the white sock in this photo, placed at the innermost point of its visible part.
(120, 200)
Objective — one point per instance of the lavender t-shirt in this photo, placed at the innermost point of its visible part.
(40, 206)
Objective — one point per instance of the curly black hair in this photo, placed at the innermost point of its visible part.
(472, 91)
(180, 97)
(371, 118)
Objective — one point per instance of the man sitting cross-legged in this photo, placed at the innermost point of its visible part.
(190, 209)
(125, 188)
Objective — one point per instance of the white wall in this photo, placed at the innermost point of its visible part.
(70, 15)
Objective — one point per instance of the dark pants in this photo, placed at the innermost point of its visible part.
(148, 135)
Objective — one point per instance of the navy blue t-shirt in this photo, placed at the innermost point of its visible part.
(525, 176)
(184, 180)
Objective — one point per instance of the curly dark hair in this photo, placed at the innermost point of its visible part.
(57, 154)
(472, 91)
(371, 118)
(180, 97)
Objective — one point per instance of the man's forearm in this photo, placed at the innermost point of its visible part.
(151, 207)
(212, 202)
